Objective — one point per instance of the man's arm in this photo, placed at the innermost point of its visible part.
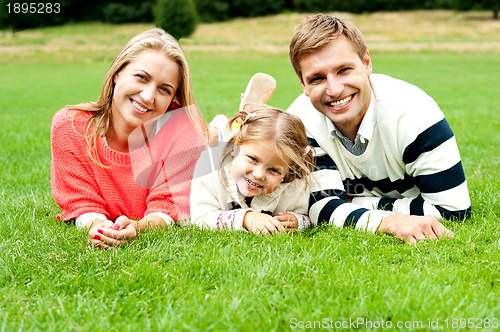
(433, 165)
(329, 204)
(328, 201)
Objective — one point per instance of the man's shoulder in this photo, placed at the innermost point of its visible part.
(301, 106)
(401, 100)
(304, 109)
(390, 90)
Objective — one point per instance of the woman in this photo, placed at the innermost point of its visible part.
(124, 163)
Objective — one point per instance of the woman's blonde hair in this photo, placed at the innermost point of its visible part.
(154, 39)
(286, 131)
(317, 31)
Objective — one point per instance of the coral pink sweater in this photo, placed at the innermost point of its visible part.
(154, 178)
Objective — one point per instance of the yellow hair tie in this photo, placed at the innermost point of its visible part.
(236, 125)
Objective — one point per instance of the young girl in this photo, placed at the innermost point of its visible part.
(112, 169)
(262, 183)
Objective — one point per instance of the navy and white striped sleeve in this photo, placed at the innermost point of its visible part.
(328, 202)
(433, 160)
(433, 165)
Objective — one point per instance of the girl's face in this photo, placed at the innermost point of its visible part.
(143, 90)
(257, 169)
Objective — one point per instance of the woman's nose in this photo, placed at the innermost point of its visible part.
(148, 94)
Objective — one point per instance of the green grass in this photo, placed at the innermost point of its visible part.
(189, 279)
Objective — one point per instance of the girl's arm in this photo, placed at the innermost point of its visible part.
(296, 197)
(292, 221)
(209, 205)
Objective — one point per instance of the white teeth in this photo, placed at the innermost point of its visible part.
(253, 183)
(341, 102)
(139, 107)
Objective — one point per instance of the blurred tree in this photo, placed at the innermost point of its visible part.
(177, 17)
(4, 23)
(493, 5)
(27, 15)
(254, 8)
(212, 10)
(128, 11)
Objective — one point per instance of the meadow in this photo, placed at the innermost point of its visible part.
(185, 279)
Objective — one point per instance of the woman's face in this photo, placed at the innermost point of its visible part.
(143, 90)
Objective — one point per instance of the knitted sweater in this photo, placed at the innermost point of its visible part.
(411, 164)
(154, 178)
(214, 205)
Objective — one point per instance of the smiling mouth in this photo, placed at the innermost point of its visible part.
(253, 184)
(341, 102)
(139, 107)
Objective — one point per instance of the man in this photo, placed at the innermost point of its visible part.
(387, 158)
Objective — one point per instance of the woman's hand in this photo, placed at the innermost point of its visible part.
(94, 236)
(108, 234)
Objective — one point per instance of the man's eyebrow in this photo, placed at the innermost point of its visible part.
(337, 67)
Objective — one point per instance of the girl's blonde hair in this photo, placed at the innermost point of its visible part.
(286, 131)
(154, 39)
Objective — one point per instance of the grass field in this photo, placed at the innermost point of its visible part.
(188, 279)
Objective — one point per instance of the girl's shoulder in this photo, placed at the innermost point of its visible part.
(294, 188)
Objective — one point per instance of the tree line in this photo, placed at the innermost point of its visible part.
(180, 17)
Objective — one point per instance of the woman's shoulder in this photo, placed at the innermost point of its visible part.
(69, 114)
(69, 124)
(177, 127)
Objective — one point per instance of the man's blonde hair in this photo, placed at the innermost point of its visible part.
(317, 31)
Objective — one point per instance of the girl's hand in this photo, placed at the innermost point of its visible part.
(261, 223)
(288, 221)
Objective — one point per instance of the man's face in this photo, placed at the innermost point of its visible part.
(336, 81)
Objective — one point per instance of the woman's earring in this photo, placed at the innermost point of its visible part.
(174, 105)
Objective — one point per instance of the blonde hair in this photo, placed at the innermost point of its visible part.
(154, 39)
(285, 129)
(317, 31)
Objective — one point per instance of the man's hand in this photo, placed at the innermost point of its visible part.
(413, 228)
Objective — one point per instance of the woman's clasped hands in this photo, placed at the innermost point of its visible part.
(106, 234)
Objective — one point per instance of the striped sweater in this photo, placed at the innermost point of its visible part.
(411, 164)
